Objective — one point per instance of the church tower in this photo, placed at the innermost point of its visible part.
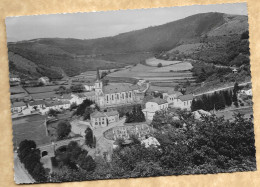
(98, 83)
(99, 96)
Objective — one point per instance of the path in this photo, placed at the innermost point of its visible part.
(219, 89)
(20, 173)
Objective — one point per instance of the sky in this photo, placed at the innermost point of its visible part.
(101, 24)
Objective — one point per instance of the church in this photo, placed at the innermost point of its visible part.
(118, 94)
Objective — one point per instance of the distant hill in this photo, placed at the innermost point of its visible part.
(75, 55)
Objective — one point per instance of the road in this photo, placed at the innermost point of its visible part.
(21, 176)
(219, 89)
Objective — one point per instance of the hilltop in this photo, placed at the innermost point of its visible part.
(75, 56)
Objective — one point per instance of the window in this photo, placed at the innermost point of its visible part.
(123, 97)
(130, 94)
(112, 97)
(126, 95)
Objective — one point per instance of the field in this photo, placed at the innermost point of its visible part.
(30, 128)
(154, 62)
(182, 66)
(42, 89)
(16, 90)
(181, 73)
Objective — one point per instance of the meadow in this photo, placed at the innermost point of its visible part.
(30, 128)
(154, 62)
(42, 89)
(171, 74)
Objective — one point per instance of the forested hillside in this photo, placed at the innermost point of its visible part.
(75, 55)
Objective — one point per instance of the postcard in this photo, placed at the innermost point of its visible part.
(131, 93)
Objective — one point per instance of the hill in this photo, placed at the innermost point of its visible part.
(75, 56)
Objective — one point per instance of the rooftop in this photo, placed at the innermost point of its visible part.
(186, 97)
(118, 88)
(97, 114)
(112, 113)
(158, 100)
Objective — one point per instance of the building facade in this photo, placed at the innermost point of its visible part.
(156, 104)
(118, 94)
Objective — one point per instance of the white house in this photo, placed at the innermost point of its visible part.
(18, 107)
(247, 92)
(36, 105)
(77, 98)
(44, 80)
(149, 142)
(154, 105)
(171, 95)
(89, 86)
(112, 116)
(98, 119)
(199, 113)
(183, 102)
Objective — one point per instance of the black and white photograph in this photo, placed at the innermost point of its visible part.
(131, 93)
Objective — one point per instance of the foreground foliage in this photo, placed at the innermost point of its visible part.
(187, 146)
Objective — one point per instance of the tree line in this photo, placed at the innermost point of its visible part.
(217, 101)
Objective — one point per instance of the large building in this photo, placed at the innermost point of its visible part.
(156, 104)
(117, 94)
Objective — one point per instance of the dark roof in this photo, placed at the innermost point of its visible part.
(56, 103)
(118, 88)
(170, 92)
(186, 97)
(40, 102)
(17, 104)
(97, 114)
(158, 100)
(112, 113)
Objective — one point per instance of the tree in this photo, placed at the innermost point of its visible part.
(53, 112)
(63, 129)
(86, 162)
(89, 139)
(30, 156)
(136, 115)
(159, 65)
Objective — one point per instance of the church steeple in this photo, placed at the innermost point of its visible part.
(98, 76)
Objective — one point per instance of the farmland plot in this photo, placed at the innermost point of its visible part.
(154, 62)
(184, 66)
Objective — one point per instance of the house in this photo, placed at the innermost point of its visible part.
(154, 105)
(58, 105)
(247, 92)
(235, 70)
(36, 105)
(112, 116)
(77, 98)
(183, 101)
(18, 107)
(150, 142)
(98, 119)
(170, 95)
(14, 80)
(199, 113)
(89, 86)
(44, 80)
